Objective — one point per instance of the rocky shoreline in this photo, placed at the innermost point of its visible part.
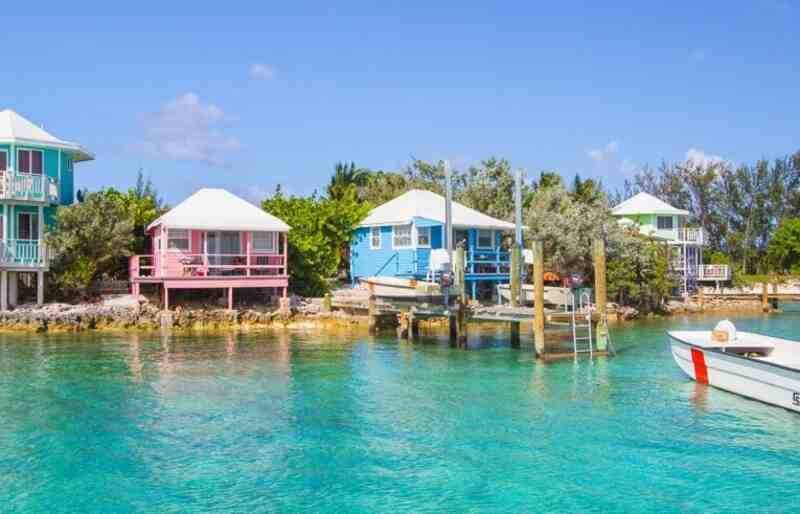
(121, 314)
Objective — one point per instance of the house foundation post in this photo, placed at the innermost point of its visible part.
(13, 285)
(230, 298)
(3, 290)
(40, 288)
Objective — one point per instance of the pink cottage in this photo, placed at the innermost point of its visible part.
(214, 240)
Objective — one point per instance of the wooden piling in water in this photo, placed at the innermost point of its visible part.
(538, 298)
(458, 324)
(327, 303)
(514, 287)
(372, 312)
(765, 306)
(413, 326)
(600, 293)
(458, 272)
(514, 336)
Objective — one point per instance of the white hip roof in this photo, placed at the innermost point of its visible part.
(425, 204)
(218, 209)
(644, 203)
(14, 129)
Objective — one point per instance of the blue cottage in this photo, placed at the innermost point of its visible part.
(396, 240)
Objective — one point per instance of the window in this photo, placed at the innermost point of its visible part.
(28, 226)
(3, 160)
(30, 161)
(485, 239)
(264, 241)
(401, 236)
(177, 239)
(424, 237)
(664, 223)
(375, 238)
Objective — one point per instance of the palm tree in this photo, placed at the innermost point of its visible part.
(345, 177)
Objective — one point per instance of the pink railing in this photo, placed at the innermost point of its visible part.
(199, 265)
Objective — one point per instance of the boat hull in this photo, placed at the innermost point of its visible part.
(556, 296)
(763, 381)
(405, 289)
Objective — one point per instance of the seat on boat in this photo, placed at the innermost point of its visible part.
(724, 332)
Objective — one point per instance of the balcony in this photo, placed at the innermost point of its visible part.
(28, 187)
(682, 235)
(201, 266)
(709, 272)
(23, 253)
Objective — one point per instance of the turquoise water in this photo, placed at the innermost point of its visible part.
(309, 423)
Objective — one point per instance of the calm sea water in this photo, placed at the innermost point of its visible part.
(338, 424)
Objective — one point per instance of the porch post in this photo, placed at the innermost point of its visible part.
(166, 298)
(40, 234)
(163, 259)
(230, 298)
(4, 290)
(39, 287)
(249, 238)
(285, 256)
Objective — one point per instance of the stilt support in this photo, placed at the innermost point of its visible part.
(40, 288)
(515, 334)
(230, 298)
(372, 312)
(3, 290)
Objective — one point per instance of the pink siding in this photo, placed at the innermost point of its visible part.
(196, 241)
(194, 267)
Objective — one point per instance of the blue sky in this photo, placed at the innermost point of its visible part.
(283, 90)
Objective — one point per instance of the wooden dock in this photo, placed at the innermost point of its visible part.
(405, 315)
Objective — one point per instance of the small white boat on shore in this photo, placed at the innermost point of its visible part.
(760, 367)
(404, 288)
(553, 296)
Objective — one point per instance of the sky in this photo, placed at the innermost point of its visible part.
(249, 95)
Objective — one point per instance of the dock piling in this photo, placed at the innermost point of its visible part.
(327, 303)
(372, 312)
(538, 299)
(600, 293)
(765, 306)
(516, 254)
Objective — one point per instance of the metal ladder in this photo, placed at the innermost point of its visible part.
(582, 343)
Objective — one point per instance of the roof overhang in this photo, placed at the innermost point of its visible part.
(79, 154)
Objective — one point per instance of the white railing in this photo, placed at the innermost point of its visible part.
(28, 187)
(691, 235)
(713, 272)
(23, 252)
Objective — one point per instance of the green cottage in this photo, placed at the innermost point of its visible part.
(662, 221)
(36, 176)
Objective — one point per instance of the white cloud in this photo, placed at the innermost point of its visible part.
(700, 158)
(186, 129)
(603, 154)
(262, 71)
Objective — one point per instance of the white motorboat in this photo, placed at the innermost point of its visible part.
(760, 367)
(404, 288)
(553, 296)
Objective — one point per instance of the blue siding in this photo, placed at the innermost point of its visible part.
(386, 261)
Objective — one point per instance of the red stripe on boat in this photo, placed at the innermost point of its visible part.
(700, 369)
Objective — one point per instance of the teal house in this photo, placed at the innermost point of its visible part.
(36, 176)
(396, 240)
